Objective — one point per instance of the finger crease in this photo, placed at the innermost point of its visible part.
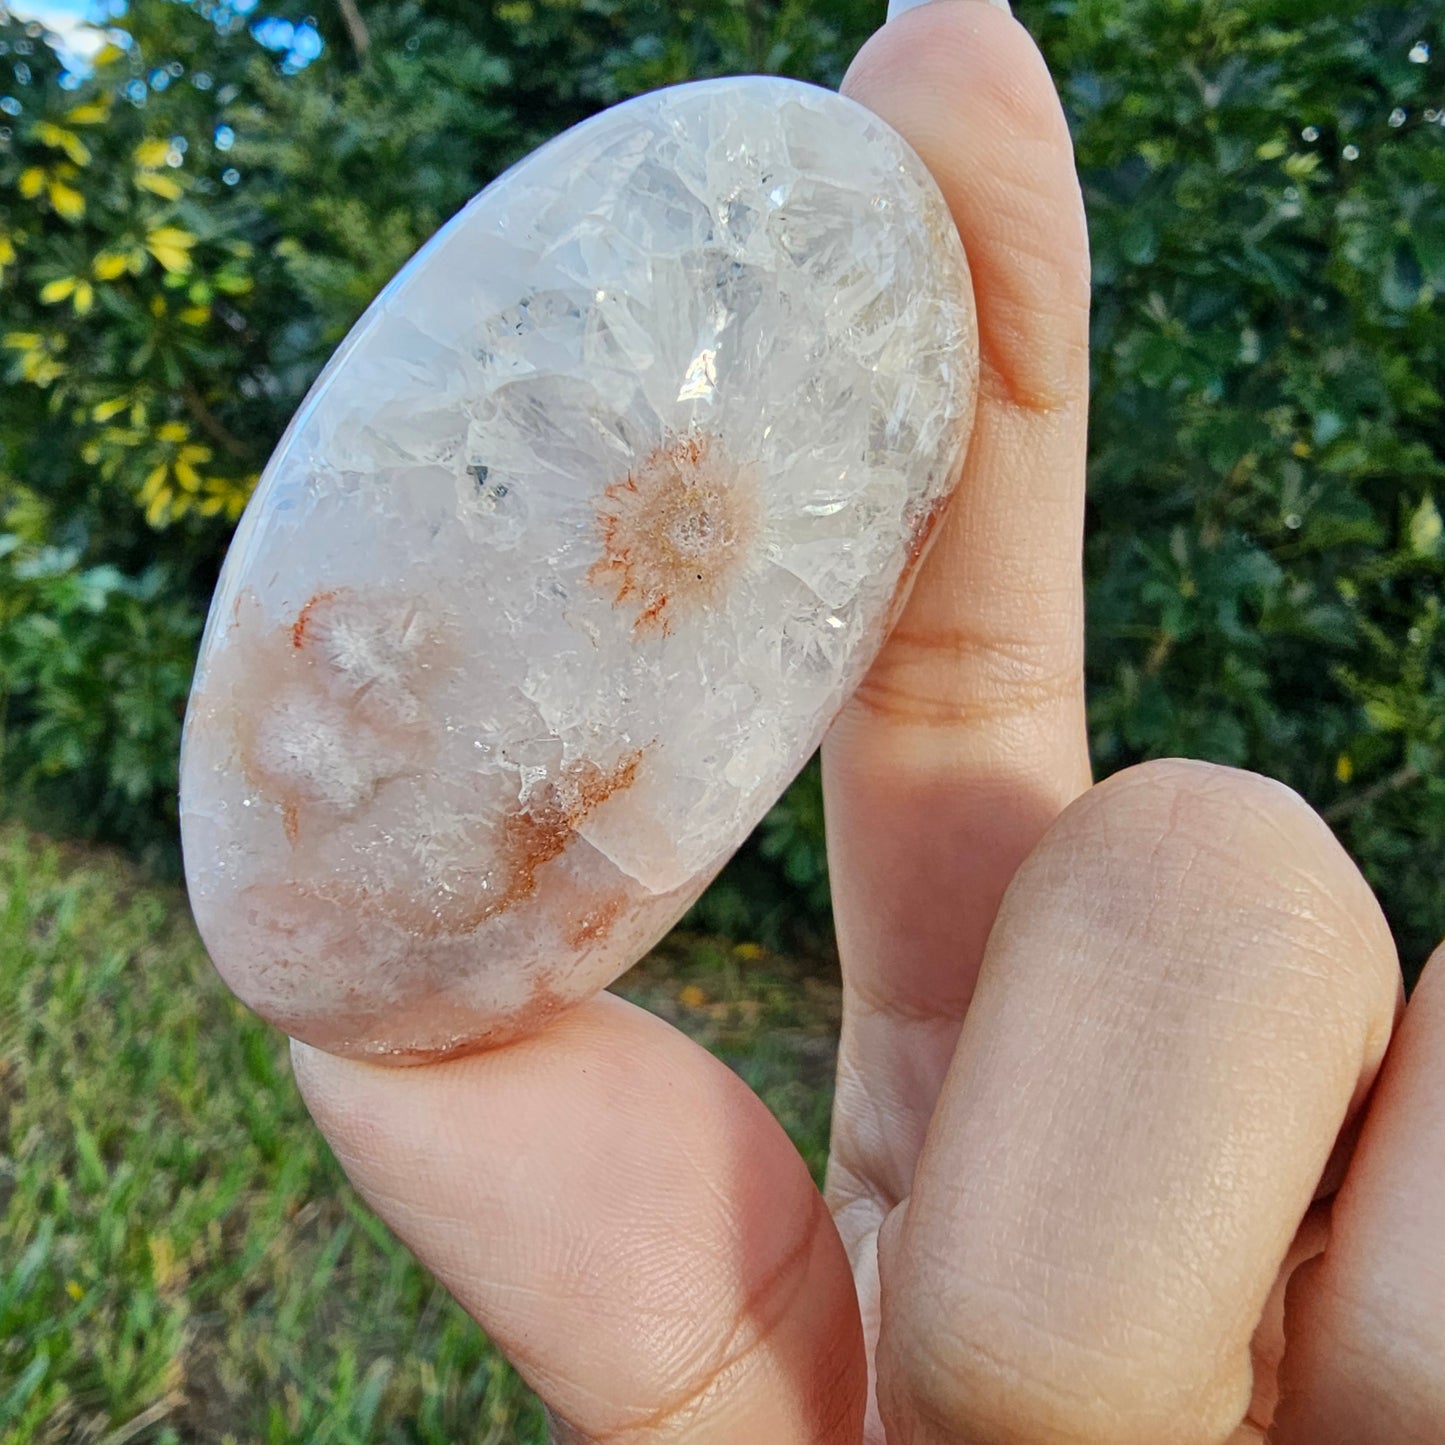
(763, 1310)
(1019, 696)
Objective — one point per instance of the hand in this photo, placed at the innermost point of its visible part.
(1086, 1130)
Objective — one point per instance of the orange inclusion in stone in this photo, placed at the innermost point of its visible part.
(675, 531)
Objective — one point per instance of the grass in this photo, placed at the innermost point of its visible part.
(180, 1257)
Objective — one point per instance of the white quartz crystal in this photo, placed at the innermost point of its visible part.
(567, 562)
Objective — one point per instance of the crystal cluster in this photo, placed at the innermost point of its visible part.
(568, 560)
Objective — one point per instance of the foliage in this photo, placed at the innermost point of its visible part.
(97, 664)
(1266, 556)
(183, 1259)
(186, 235)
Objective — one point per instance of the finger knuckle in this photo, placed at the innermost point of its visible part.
(968, 678)
(1081, 1380)
(722, 1373)
(1235, 872)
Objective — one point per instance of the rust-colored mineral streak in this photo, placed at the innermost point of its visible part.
(333, 721)
(330, 706)
(675, 532)
(302, 624)
(542, 1005)
(597, 922)
(495, 865)
(920, 535)
(541, 831)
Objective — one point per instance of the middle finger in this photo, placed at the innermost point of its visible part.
(1188, 989)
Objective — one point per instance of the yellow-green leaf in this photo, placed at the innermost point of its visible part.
(67, 201)
(58, 138)
(158, 185)
(109, 265)
(154, 482)
(1383, 715)
(176, 262)
(158, 508)
(1426, 528)
(91, 113)
(172, 236)
(152, 153)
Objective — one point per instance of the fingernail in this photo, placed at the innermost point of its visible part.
(897, 7)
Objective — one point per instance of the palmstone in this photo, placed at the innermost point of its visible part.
(569, 558)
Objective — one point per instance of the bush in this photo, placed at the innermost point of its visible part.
(185, 236)
(96, 666)
(1265, 554)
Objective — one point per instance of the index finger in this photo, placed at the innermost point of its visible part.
(967, 738)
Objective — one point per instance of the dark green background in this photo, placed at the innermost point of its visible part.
(1266, 192)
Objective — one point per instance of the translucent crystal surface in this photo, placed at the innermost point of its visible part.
(568, 560)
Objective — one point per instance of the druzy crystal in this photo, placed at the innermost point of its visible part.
(568, 560)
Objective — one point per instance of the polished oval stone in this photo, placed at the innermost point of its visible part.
(567, 562)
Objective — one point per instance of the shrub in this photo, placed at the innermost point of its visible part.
(94, 671)
(185, 236)
(1265, 551)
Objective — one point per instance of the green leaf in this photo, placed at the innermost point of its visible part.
(1425, 528)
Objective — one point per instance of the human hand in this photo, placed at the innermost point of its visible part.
(1083, 1133)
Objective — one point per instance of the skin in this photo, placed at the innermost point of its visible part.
(1133, 1140)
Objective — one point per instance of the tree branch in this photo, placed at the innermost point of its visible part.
(356, 30)
(1348, 807)
(209, 423)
